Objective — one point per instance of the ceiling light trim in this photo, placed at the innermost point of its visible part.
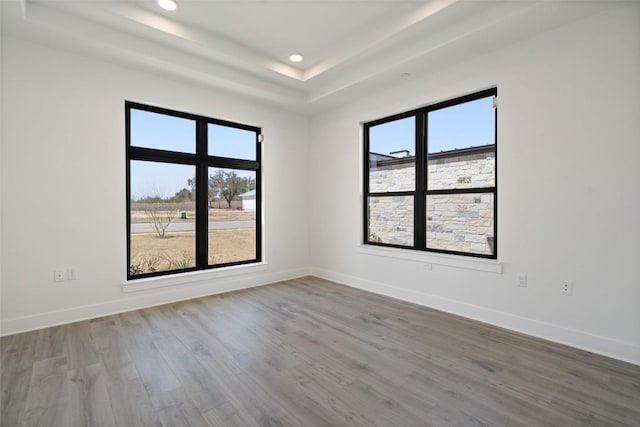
(296, 57)
(169, 5)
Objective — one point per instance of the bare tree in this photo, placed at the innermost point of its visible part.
(162, 215)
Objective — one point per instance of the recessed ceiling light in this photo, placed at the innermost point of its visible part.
(167, 4)
(296, 57)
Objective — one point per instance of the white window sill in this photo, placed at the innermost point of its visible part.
(456, 261)
(191, 277)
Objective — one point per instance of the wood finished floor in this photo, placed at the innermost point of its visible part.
(305, 352)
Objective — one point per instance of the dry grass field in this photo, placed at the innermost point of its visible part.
(176, 250)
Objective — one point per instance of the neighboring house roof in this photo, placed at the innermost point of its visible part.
(378, 156)
(248, 193)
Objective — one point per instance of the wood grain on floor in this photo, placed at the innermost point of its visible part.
(305, 352)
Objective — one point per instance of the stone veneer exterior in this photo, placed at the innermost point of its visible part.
(460, 222)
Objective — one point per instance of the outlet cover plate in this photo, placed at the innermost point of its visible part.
(566, 287)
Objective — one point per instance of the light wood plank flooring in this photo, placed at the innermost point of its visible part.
(305, 352)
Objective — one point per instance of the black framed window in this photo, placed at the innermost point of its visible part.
(430, 180)
(193, 192)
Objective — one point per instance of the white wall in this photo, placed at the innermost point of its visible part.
(569, 196)
(2, 106)
(568, 186)
(63, 184)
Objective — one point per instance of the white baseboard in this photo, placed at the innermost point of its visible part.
(616, 349)
(145, 299)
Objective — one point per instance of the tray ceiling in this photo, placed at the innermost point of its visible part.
(243, 46)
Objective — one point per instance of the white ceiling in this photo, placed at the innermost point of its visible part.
(350, 46)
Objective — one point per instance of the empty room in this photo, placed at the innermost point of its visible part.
(320, 213)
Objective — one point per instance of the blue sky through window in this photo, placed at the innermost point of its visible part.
(225, 141)
(164, 132)
(158, 179)
(393, 136)
(470, 124)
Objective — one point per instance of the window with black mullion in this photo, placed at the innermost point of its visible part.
(452, 162)
(193, 192)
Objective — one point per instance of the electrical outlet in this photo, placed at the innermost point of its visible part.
(566, 287)
(58, 275)
(427, 266)
(522, 280)
(71, 274)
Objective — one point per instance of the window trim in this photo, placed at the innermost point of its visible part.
(201, 162)
(421, 190)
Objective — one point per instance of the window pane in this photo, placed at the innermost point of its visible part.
(163, 132)
(461, 222)
(391, 220)
(225, 141)
(392, 156)
(232, 215)
(466, 125)
(162, 217)
(462, 169)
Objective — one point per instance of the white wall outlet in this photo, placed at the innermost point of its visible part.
(566, 287)
(71, 274)
(427, 266)
(522, 280)
(58, 275)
